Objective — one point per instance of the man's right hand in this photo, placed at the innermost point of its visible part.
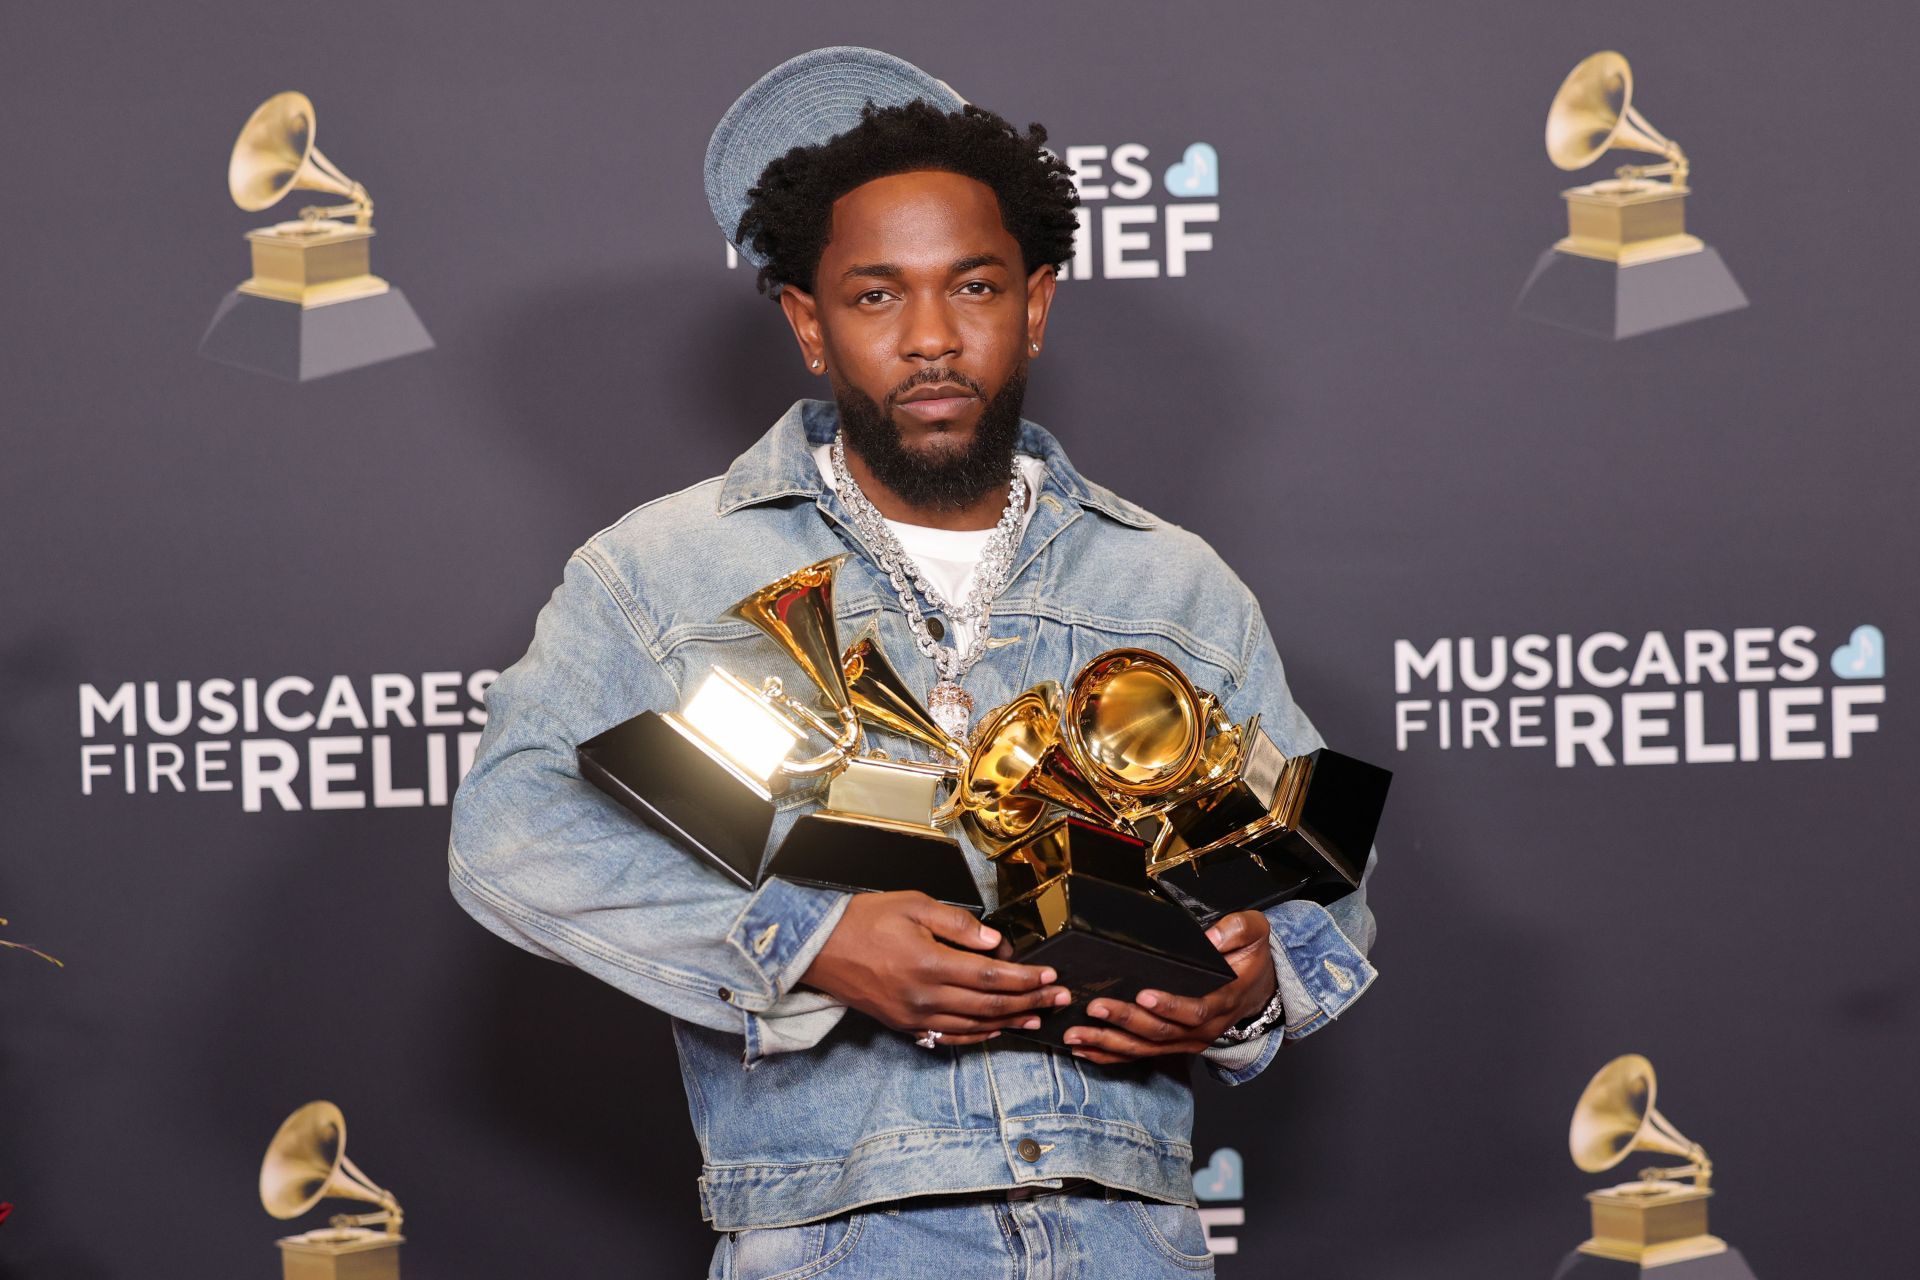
(918, 965)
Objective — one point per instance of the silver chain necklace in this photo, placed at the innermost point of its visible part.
(950, 705)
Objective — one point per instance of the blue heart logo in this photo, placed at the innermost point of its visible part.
(1222, 1178)
(1862, 658)
(1197, 174)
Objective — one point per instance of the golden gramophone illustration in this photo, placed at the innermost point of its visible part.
(1627, 264)
(312, 305)
(1660, 1218)
(708, 775)
(306, 1163)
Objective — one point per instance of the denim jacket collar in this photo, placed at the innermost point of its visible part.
(780, 465)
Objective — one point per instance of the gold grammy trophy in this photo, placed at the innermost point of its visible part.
(708, 774)
(1627, 264)
(306, 1163)
(1658, 1220)
(312, 305)
(1052, 788)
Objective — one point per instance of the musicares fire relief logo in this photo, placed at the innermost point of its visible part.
(1687, 697)
(388, 741)
(1128, 231)
(1220, 1187)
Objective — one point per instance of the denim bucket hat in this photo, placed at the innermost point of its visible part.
(803, 102)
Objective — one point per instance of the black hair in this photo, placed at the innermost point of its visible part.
(790, 209)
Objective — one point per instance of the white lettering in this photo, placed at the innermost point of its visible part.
(1525, 713)
(385, 794)
(1694, 715)
(1749, 649)
(1591, 673)
(1180, 241)
(437, 692)
(94, 708)
(1847, 722)
(257, 778)
(1570, 731)
(1783, 723)
(1636, 726)
(1116, 240)
(278, 718)
(323, 771)
(176, 760)
(341, 701)
(392, 696)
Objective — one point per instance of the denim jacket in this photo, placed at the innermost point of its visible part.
(804, 1112)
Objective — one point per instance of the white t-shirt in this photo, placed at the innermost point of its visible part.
(947, 558)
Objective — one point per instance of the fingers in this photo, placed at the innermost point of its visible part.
(1111, 1044)
(1003, 1007)
(950, 1024)
(1139, 1022)
(1238, 930)
(951, 924)
(1187, 1011)
(944, 965)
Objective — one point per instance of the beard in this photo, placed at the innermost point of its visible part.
(946, 479)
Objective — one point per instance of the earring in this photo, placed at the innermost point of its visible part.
(1035, 347)
(815, 366)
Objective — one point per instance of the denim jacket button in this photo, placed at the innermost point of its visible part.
(726, 994)
(1029, 1150)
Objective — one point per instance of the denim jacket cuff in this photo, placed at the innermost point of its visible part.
(1319, 972)
(1320, 969)
(780, 931)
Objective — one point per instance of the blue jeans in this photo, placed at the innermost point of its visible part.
(1048, 1237)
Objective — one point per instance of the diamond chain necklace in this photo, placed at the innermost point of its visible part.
(950, 705)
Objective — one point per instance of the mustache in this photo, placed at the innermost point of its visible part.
(927, 376)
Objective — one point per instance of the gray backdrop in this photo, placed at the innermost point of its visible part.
(1337, 394)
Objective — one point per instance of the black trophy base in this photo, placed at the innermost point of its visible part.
(1242, 879)
(1105, 939)
(1718, 1266)
(843, 851)
(658, 773)
(1609, 301)
(1319, 855)
(286, 340)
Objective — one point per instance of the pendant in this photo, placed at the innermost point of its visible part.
(951, 708)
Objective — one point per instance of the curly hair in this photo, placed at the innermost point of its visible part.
(789, 211)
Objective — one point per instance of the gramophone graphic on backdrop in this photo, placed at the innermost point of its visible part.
(1627, 265)
(306, 1163)
(1657, 1223)
(312, 305)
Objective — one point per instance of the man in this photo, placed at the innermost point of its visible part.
(857, 1102)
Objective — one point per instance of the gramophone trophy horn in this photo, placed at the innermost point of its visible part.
(1593, 113)
(275, 155)
(306, 265)
(306, 1163)
(1657, 1219)
(882, 698)
(707, 774)
(881, 827)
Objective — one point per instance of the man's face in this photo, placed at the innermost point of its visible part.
(923, 315)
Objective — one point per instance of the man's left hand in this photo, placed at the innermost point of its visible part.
(1158, 1022)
